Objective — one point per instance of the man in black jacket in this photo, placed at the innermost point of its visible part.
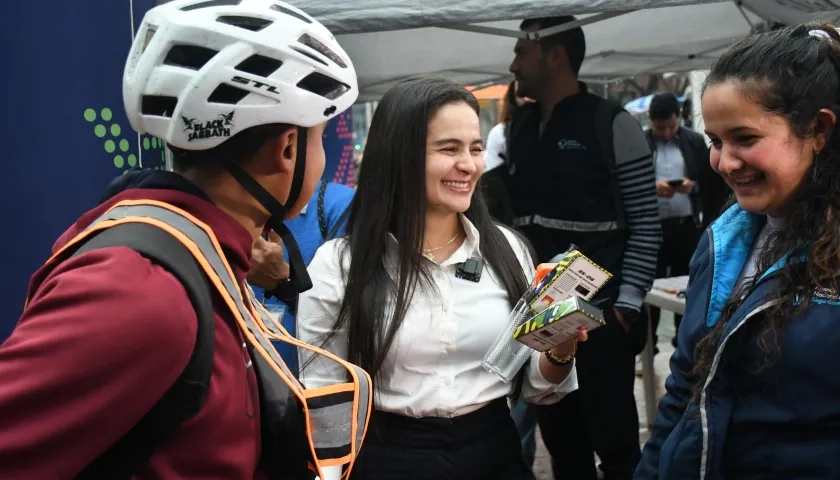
(689, 190)
(577, 177)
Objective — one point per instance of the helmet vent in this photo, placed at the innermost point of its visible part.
(210, 3)
(158, 105)
(291, 13)
(189, 56)
(324, 50)
(227, 94)
(259, 65)
(248, 23)
(311, 55)
(323, 85)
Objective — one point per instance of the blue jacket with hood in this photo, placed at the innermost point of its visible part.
(782, 423)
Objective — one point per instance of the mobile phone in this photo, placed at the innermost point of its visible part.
(675, 183)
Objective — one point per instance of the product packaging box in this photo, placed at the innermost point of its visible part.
(575, 275)
(558, 323)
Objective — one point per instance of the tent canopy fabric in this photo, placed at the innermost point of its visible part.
(471, 41)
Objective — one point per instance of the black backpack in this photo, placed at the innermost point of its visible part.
(188, 394)
(186, 397)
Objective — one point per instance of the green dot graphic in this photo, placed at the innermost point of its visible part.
(154, 142)
(132, 160)
(146, 143)
(118, 161)
(106, 114)
(110, 146)
(99, 131)
(90, 114)
(124, 145)
(115, 130)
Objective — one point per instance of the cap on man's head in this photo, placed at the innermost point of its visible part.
(573, 40)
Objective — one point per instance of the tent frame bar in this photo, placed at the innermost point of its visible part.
(537, 35)
(740, 5)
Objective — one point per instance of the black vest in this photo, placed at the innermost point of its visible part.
(560, 186)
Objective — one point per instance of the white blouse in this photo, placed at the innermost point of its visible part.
(434, 365)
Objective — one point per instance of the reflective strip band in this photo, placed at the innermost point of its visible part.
(220, 267)
(364, 382)
(258, 325)
(272, 324)
(565, 225)
(331, 412)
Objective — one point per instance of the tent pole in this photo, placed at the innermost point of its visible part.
(698, 79)
(577, 23)
(740, 5)
(663, 66)
(504, 32)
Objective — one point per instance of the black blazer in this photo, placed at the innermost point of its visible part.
(713, 192)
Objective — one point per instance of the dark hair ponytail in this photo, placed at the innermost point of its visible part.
(793, 72)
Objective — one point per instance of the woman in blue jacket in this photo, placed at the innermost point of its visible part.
(754, 390)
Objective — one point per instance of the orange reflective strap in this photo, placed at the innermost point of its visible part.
(254, 328)
(330, 389)
(292, 383)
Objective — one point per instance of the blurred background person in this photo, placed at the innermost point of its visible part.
(493, 180)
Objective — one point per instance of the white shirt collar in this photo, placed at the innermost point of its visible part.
(470, 247)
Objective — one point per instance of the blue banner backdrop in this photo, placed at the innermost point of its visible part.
(338, 146)
(65, 134)
(64, 131)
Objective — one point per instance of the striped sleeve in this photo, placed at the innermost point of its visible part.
(637, 187)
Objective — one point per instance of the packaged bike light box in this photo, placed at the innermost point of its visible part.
(574, 275)
(558, 323)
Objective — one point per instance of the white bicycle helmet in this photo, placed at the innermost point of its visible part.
(201, 71)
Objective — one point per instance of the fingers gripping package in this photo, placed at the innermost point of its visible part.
(559, 323)
(559, 301)
(574, 276)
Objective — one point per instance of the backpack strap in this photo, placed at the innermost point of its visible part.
(187, 395)
(605, 114)
(322, 218)
(334, 417)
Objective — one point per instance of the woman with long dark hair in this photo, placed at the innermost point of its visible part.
(754, 391)
(389, 298)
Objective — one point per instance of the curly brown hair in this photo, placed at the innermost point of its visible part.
(792, 73)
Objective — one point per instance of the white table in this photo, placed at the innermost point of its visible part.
(659, 297)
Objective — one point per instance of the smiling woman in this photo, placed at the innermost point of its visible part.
(753, 385)
(454, 159)
(388, 297)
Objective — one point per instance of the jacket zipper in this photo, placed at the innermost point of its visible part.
(712, 276)
(715, 362)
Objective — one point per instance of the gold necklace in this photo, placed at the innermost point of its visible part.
(430, 252)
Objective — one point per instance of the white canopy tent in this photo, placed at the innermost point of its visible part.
(471, 41)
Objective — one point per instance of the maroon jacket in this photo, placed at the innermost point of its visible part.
(105, 335)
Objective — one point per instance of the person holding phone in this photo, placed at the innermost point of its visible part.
(679, 155)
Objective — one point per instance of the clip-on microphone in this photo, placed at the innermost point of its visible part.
(470, 270)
